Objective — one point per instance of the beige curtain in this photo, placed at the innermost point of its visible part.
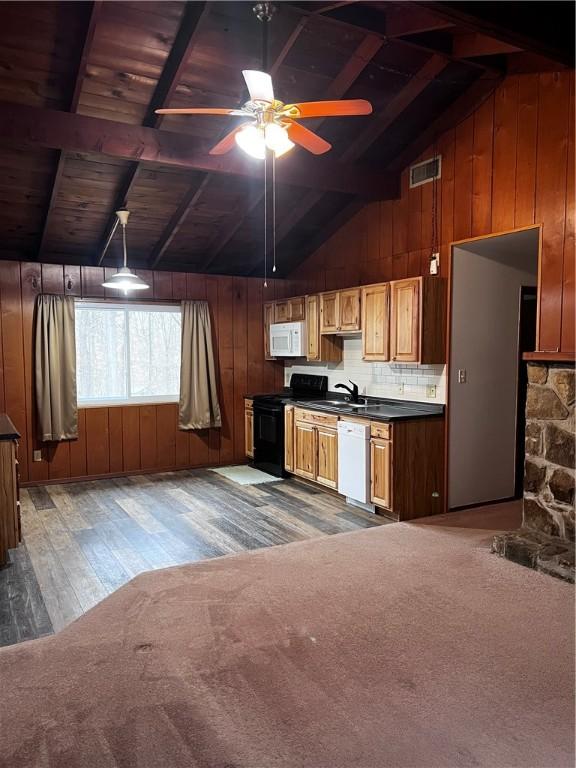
(199, 407)
(55, 368)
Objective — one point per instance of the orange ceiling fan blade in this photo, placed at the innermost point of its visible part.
(200, 111)
(307, 138)
(227, 143)
(342, 108)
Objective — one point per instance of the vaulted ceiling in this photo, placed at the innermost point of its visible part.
(79, 83)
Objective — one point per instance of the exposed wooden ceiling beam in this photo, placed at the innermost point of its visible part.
(84, 52)
(36, 127)
(193, 195)
(377, 126)
(476, 17)
(412, 20)
(349, 73)
(184, 42)
(471, 44)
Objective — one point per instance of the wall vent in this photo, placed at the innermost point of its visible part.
(428, 170)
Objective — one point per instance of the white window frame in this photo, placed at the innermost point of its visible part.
(114, 305)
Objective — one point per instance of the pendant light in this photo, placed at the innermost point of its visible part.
(125, 280)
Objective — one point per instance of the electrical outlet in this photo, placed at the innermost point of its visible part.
(431, 390)
(400, 389)
(434, 263)
(462, 376)
(37, 456)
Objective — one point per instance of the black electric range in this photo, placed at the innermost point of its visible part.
(269, 419)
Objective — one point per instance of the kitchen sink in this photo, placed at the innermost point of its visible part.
(342, 404)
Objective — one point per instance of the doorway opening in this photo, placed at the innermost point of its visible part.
(492, 322)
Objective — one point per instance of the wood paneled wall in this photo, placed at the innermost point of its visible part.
(145, 437)
(508, 165)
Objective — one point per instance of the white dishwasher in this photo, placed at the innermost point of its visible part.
(354, 462)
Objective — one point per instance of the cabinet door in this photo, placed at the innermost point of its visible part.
(249, 431)
(313, 327)
(405, 321)
(381, 473)
(268, 320)
(289, 438)
(349, 310)
(327, 467)
(375, 316)
(297, 309)
(282, 312)
(329, 312)
(305, 450)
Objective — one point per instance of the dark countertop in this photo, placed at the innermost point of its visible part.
(7, 430)
(381, 409)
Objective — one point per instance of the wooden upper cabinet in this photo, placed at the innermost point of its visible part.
(268, 320)
(282, 312)
(290, 310)
(418, 320)
(405, 321)
(320, 348)
(375, 322)
(349, 310)
(327, 460)
(297, 309)
(340, 311)
(329, 312)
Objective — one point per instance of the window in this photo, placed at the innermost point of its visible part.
(127, 353)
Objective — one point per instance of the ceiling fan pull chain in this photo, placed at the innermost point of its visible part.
(274, 210)
(265, 215)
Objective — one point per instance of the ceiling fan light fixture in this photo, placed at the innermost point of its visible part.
(251, 140)
(276, 138)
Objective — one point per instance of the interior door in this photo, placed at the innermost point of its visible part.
(405, 321)
(327, 470)
(349, 310)
(375, 320)
(305, 450)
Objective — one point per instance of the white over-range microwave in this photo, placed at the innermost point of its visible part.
(287, 339)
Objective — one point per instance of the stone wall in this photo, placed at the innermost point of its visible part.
(549, 468)
(546, 539)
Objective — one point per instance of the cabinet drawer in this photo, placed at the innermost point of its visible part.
(311, 417)
(383, 431)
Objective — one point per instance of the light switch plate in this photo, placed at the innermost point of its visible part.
(37, 456)
(462, 376)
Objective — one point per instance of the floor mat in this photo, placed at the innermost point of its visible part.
(244, 475)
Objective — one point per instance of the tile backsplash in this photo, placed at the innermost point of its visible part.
(400, 381)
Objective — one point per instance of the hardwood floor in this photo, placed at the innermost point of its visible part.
(84, 540)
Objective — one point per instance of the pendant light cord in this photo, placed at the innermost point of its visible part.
(274, 211)
(124, 244)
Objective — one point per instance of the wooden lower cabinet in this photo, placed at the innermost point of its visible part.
(249, 429)
(10, 526)
(381, 472)
(327, 462)
(305, 450)
(289, 438)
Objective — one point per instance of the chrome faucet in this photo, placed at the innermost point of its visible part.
(353, 390)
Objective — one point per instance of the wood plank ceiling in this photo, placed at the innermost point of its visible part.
(422, 65)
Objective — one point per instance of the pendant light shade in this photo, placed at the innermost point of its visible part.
(125, 280)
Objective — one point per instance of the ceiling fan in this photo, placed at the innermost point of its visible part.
(272, 123)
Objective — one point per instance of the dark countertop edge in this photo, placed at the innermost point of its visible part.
(7, 429)
(416, 414)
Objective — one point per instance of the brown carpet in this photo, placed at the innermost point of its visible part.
(404, 646)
